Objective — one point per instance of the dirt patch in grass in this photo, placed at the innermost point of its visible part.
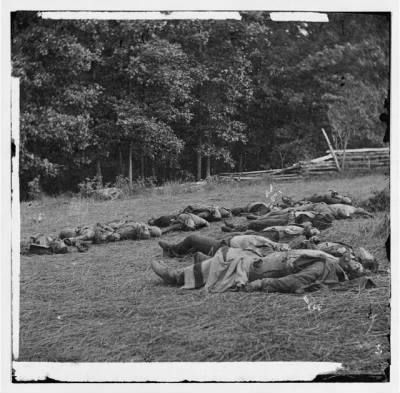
(107, 305)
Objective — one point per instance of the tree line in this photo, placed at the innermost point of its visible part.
(186, 99)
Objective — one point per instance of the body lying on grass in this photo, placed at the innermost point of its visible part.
(336, 211)
(44, 245)
(257, 208)
(79, 237)
(298, 212)
(340, 210)
(268, 237)
(261, 208)
(317, 220)
(205, 212)
(209, 246)
(339, 249)
(113, 231)
(320, 214)
(286, 233)
(331, 198)
(293, 271)
(186, 222)
(209, 213)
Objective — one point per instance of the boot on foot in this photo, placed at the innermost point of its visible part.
(169, 275)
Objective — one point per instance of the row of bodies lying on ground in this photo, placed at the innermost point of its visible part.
(236, 263)
(255, 257)
(320, 210)
(255, 263)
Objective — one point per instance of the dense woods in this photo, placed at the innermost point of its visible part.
(186, 99)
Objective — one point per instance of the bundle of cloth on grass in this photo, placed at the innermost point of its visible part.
(293, 271)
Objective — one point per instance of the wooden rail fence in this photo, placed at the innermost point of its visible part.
(355, 159)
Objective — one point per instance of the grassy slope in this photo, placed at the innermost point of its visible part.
(107, 305)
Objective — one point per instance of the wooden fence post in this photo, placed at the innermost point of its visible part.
(331, 149)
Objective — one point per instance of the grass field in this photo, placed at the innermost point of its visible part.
(107, 304)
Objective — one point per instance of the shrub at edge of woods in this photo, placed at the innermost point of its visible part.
(379, 201)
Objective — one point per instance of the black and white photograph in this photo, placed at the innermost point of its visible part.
(201, 196)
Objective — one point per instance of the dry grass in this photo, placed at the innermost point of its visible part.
(107, 305)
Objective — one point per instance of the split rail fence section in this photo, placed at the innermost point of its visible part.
(354, 159)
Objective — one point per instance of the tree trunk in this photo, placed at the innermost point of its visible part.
(241, 162)
(153, 169)
(171, 169)
(198, 175)
(98, 173)
(208, 167)
(142, 168)
(130, 164)
(282, 156)
(121, 163)
(164, 170)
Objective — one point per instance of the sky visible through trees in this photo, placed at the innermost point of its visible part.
(184, 99)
